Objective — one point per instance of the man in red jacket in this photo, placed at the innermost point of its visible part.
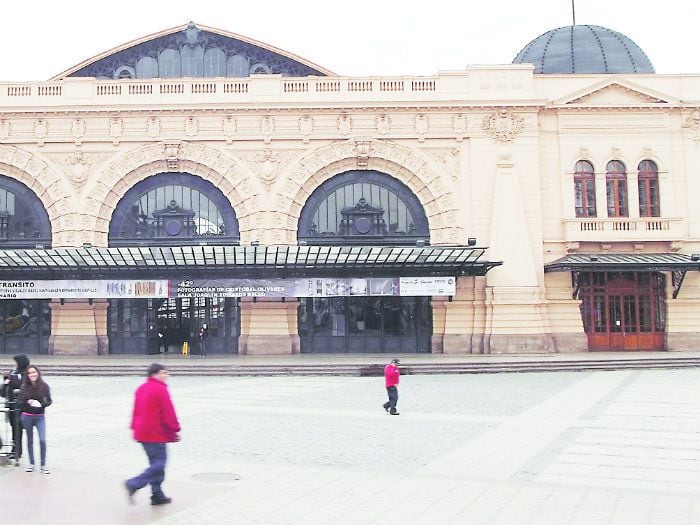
(391, 380)
(154, 423)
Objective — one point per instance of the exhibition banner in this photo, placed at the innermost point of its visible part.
(163, 288)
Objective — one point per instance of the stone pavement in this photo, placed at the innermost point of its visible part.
(584, 448)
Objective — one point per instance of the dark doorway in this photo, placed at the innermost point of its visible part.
(25, 326)
(623, 310)
(135, 325)
(365, 325)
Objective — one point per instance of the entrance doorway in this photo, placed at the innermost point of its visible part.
(135, 325)
(623, 310)
(25, 326)
(365, 325)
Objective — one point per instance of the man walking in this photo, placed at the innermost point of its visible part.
(391, 380)
(12, 382)
(155, 424)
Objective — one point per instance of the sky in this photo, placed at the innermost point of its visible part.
(350, 37)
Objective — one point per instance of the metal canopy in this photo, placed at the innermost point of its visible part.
(625, 262)
(244, 261)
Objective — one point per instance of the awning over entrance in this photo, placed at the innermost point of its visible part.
(676, 263)
(244, 261)
(625, 262)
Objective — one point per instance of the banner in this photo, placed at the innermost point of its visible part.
(74, 289)
(163, 288)
(315, 287)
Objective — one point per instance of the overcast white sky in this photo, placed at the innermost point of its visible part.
(349, 37)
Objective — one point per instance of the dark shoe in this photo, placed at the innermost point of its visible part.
(160, 500)
(129, 492)
(394, 413)
(386, 408)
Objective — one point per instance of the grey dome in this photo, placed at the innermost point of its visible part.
(584, 49)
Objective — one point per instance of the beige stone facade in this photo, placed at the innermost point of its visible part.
(489, 152)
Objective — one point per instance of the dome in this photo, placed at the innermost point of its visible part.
(584, 49)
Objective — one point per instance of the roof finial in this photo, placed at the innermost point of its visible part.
(573, 10)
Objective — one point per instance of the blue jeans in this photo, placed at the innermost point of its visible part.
(155, 473)
(29, 422)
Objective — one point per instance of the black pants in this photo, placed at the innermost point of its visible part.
(17, 429)
(393, 398)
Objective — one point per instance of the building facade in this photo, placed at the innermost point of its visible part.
(177, 182)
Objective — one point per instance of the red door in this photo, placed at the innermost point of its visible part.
(623, 311)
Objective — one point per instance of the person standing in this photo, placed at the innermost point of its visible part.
(12, 382)
(203, 334)
(34, 397)
(154, 424)
(391, 380)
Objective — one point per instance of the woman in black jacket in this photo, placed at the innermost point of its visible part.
(34, 397)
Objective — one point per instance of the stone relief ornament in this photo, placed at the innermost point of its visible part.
(171, 153)
(447, 159)
(267, 162)
(116, 128)
(5, 129)
(421, 124)
(459, 125)
(345, 124)
(153, 127)
(306, 126)
(692, 121)
(503, 125)
(79, 163)
(228, 125)
(191, 126)
(267, 126)
(78, 129)
(383, 124)
(363, 150)
(41, 130)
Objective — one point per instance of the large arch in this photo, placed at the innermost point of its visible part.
(205, 162)
(408, 166)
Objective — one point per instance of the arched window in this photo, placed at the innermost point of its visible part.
(192, 58)
(147, 67)
(124, 72)
(215, 62)
(238, 66)
(169, 64)
(24, 222)
(648, 189)
(616, 189)
(173, 208)
(584, 189)
(260, 69)
(363, 207)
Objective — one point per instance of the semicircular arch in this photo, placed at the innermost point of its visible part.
(408, 166)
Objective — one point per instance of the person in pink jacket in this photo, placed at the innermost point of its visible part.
(155, 424)
(391, 380)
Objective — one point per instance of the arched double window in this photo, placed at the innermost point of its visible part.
(364, 207)
(24, 221)
(173, 208)
(616, 189)
(648, 174)
(584, 189)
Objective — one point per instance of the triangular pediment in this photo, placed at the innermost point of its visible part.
(616, 93)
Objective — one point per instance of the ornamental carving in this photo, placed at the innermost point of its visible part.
(306, 126)
(41, 130)
(447, 159)
(383, 124)
(153, 127)
(191, 126)
(116, 128)
(5, 129)
(78, 130)
(459, 125)
(503, 125)
(692, 121)
(79, 162)
(228, 126)
(267, 127)
(345, 124)
(363, 149)
(421, 124)
(172, 154)
(266, 164)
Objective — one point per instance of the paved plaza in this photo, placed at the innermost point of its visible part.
(584, 448)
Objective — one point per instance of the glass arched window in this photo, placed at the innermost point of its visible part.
(238, 66)
(147, 67)
(24, 222)
(173, 208)
(584, 189)
(214, 62)
(648, 189)
(192, 58)
(169, 64)
(616, 189)
(363, 207)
